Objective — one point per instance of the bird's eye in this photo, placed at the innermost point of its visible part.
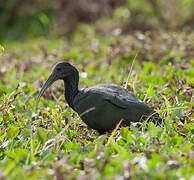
(59, 69)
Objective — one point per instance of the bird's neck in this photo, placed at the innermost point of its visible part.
(71, 88)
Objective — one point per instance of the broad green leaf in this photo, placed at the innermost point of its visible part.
(12, 132)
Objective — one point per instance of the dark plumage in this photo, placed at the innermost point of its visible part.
(102, 106)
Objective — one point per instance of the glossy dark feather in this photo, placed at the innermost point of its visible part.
(102, 106)
(111, 104)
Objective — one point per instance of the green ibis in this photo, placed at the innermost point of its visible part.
(102, 106)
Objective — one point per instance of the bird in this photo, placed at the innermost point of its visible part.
(102, 106)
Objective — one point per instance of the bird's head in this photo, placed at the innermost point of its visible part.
(63, 71)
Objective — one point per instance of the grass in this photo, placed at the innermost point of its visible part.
(54, 143)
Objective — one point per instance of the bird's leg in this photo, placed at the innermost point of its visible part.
(101, 132)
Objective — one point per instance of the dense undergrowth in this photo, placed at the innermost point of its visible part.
(39, 145)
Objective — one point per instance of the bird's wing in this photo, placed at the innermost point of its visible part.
(114, 94)
(120, 96)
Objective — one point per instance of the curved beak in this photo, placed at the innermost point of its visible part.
(46, 85)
